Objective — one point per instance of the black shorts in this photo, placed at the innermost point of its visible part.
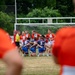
(17, 44)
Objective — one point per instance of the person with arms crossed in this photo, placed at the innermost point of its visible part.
(33, 47)
(26, 46)
(41, 45)
(9, 54)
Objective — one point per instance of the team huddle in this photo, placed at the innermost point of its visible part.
(33, 42)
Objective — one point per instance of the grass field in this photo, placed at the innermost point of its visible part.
(36, 66)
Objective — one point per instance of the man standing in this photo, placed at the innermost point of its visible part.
(17, 39)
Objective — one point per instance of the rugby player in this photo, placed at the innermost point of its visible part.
(14, 34)
(50, 36)
(48, 48)
(22, 38)
(50, 41)
(26, 46)
(27, 35)
(41, 45)
(33, 47)
(35, 35)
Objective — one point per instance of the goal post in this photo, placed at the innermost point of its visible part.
(45, 22)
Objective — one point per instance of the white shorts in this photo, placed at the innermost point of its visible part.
(21, 42)
(51, 43)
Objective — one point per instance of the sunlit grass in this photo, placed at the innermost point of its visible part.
(36, 66)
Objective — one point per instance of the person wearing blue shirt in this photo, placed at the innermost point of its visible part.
(33, 47)
(26, 46)
(41, 45)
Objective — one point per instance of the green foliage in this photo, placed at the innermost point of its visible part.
(46, 12)
(2, 5)
(25, 6)
(44, 3)
(6, 22)
(65, 7)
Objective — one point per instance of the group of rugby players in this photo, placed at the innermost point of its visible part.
(33, 42)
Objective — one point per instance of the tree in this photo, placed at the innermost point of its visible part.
(65, 7)
(25, 6)
(46, 12)
(44, 3)
(6, 22)
(2, 5)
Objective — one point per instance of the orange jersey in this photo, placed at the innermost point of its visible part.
(51, 36)
(64, 49)
(14, 37)
(22, 37)
(37, 35)
(15, 32)
(5, 43)
(27, 36)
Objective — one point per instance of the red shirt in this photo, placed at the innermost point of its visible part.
(27, 36)
(5, 43)
(64, 47)
(14, 37)
(24, 37)
(51, 36)
(37, 35)
(15, 32)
